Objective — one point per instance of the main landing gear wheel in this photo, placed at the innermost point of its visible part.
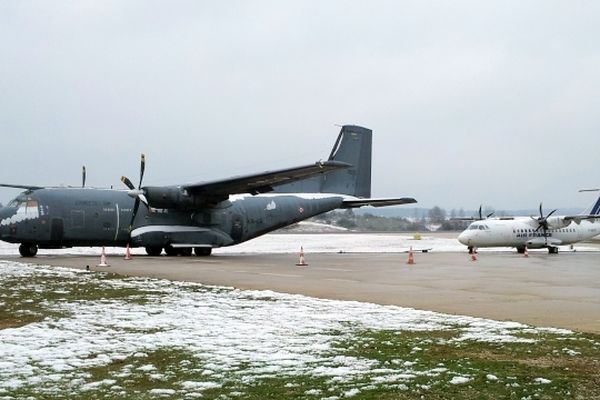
(185, 251)
(521, 250)
(153, 251)
(171, 251)
(202, 251)
(28, 249)
(553, 250)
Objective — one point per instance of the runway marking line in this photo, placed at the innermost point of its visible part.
(336, 269)
(341, 280)
(281, 275)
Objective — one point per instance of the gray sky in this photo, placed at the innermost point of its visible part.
(470, 102)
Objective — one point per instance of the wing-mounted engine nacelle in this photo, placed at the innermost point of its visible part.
(557, 223)
(172, 197)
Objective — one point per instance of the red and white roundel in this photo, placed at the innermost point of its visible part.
(301, 210)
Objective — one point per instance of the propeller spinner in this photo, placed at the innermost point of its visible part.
(543, 222)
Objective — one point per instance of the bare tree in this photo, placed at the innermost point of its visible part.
(437, 215)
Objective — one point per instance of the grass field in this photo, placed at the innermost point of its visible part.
(76, 335)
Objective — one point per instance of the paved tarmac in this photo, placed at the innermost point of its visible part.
(544, 290)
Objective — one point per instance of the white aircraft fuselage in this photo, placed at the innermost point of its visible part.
(520, 232)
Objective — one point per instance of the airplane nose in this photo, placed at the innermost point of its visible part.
(464, 238)
(3, 224)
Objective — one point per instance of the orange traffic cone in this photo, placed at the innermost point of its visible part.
(411, 257)
(525, 253)
(302, 261)
(474, 256)
(103, 262)
(128, 253)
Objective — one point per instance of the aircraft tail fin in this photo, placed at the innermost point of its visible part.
(353, 146)
(594, 209)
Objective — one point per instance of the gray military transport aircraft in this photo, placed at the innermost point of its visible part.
(193, 217)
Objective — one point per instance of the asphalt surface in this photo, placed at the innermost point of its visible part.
(543, 290)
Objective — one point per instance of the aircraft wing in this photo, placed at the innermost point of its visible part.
(28, 187)
(578, 218)
(263, 182)
(383, 202)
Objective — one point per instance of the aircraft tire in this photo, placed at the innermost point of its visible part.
(153, 251)
(28, 250)
(171, 251)
(521, 250)
(202, 251)
(553, 250)
(185, 251)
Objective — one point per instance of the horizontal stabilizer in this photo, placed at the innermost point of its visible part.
(377, 202)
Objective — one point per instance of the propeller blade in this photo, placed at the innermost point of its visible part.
(138, 193)
(480, 217)
(83, 176)
(134, 213)
(127, 182)
(489, 215)
(142, 169)
(552, 212)
(541, 213)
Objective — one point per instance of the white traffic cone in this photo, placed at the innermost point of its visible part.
(526, 253)
(103, 262)
(302, 261)
(411, 257)
(128, 253)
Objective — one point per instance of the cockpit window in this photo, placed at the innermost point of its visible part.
(479, 227)
(27, 207)
(13, 204)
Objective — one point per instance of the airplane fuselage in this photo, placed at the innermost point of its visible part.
(69, 217)
(521, 232)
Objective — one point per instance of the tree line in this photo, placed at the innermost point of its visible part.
(434, 219)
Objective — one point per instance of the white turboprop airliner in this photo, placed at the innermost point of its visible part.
(533, 232)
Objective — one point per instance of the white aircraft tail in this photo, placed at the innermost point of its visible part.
(595, 207)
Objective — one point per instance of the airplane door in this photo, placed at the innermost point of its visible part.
(237, 227)
(57, 230)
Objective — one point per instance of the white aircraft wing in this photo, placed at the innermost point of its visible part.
(580, 217)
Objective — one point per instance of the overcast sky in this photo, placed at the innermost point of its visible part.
(470, 102)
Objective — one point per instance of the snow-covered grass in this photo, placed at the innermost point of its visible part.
(72, 334)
